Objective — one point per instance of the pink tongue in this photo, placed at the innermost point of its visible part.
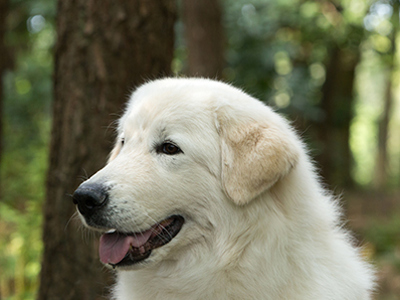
(114, 246)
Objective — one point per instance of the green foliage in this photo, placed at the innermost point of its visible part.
(279, 50)
(385, 236)
(28, 94)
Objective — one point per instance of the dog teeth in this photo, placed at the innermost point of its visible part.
(111, 231)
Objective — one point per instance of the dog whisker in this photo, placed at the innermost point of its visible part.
(75, 216)
(114, 124)
(85, 176)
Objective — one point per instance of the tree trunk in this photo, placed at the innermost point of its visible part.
(381, 170)
(102, 52)
(337, 103)
(3, 64)
(204, 38)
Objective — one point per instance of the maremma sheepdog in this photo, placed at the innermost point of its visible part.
(210, 194)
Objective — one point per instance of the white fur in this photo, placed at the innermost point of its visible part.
(279, 238)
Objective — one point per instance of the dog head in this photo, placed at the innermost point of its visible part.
(186, 151)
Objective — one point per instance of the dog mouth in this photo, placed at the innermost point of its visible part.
(124, 249)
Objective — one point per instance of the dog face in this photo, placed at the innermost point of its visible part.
(189, 152)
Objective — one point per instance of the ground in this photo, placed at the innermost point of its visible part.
(375, 219)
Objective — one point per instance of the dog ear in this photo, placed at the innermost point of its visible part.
(254, 158)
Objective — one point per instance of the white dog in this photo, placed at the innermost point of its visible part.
(209, 194)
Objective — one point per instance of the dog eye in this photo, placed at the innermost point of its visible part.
(170, 149)
(122, 141)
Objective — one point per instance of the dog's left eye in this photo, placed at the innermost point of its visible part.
(170, 149)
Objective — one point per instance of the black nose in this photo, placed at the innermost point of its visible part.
(90, 198)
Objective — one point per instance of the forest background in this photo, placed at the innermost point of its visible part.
(332, 67)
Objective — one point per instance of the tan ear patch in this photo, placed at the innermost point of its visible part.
(254, 158)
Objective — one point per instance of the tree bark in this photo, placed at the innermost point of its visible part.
(204, 38)
(337, 103)
(102, 52)
(381, 166)
(3, 64)
(381, 170)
